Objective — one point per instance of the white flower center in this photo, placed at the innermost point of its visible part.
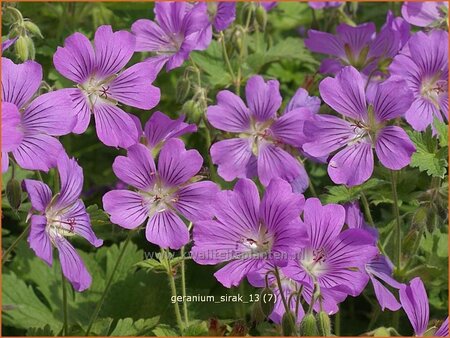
(314, 261)
(432, 89)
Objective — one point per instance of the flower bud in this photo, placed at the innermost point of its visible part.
(33, 29)
(288, 324)
(308, 326)
(14, 193)
(193, 110)
(324, 324)
(183, 88)
(21, 48)
(257, 315)
(267, 301)
(31, 49)
(261, 17)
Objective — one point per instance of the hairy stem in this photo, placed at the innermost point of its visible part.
(226, 57)
(183, 282)
(108, 284)
(365, 203)
(14, 244)
(398, 229)
(64, 304)
(283, 298)
(173, 289)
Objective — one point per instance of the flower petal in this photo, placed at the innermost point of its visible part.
(263, 98)
(230, 113)
(115, 128)
(5, 162)
(421, 14)
(392, 99)
(72, 266)
(233, 273)
(345, 93)
(443, 330)
(71, 177)
(134, 87)
(356, 38)
(193, 201)
(288, 128)
(12, 134)
(39, 194)
(353, 165)
(20, 82)
(150, 37)
(38, 152)
(234, 158)
(324, 43)
(126, 208)
(385, 297)
(112, 50)
(81, 110)
(421, 113)
(394, 147)
(225, 15)
(167, 230)
(137, 169)
(76, 60)
(301, 99)
(176, 165)
(414, 300)
(39, 240)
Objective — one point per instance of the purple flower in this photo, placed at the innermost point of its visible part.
(324, 4)
(221, 14)
(8, 43)
(268, 5)
(160, 128)
(378, 268)
(58, 217)
(359, 46)
(263, 140)
(332, 258)
(301, 99)
(178, 29)
(100, 86)
(29, 126)
(247, 233)
(423, 63)
(363, 128)
(161, 194)
(425, 13)
(443, 330)
(414, 299)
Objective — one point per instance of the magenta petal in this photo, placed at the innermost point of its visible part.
(126, 208)
(112, 50)
(20, 82)
(39, 194)
(39, 240)
(356, 37)
(345, 93)
(392, 99)
(422, 13)
(288, 128)
(71, 176)
(324, 43)
(384, 296)
(137, 169)
(230, 113)
(193, 201)
(301, 99)
(38, 152)
(394, 148)
(50, 113)
(443, 330)
(421, 113)
(234, 158)
(5, 162)
(115, 128)
(167, 230)
(274, 162)
(75, 60)
(81, 110)
(263, 98)
(72, 266)
(225, 15)
(176, 165)
(12, 134)
(149, 36)
(134, 87)
(280, 206)
(233, 273)
(353, 165)
(414, 300)
(160, 128)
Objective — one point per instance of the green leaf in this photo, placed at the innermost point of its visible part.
(151, 265)
(428, 158)
(45, 331)
(196, 329)
(97, 216)
(343, 194)
(442, 130)
(163, 330)
(128, 327)
(22, 308)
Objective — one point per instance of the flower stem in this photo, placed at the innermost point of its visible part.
(173, 288)
(64, 304)
(14, 244)
(337, 324)
(183, 287)
(108, 284)
(398, 232)
(226, 57)
(283, 298)
(365, 203)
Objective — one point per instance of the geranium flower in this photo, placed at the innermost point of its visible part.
(324, 4)
(63, 215)
(359, 46)
(332, 258)
(29, 126)
(424, 14)
(161, 194)
(423, 63)
(102, 85)
(247, 233)
(379, 268)
(263, 143)
(160, 128)
(364, 127)
(175, 33)
(8, 43)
